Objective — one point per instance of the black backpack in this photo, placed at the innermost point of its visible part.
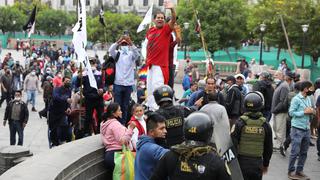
(109, 70)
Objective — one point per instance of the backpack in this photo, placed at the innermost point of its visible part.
(109, 70)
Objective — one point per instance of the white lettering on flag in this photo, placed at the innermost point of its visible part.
(80, 42)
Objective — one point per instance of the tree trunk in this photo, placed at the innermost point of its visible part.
(228, 53)
(278, 53)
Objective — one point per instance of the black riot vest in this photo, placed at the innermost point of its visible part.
(174, 124)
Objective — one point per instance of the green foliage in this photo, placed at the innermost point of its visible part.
(115, 26)
(223, 22)
(295, 13)
(8, 16)
(48, 20)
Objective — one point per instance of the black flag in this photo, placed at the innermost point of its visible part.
(101, 17)
(29, 26)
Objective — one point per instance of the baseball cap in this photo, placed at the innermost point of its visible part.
(239, 75)
(231, 78)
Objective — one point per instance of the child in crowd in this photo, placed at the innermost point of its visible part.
(138, 119)
(141, 92)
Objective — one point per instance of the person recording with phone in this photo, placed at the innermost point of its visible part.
(127, 54)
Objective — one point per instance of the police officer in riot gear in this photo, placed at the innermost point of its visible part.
(194, 158)
(174, 116)
(252, 136)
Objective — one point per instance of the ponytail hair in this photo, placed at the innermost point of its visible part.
(112, 108)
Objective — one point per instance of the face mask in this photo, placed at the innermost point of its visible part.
(309, 93)
(143, 86)
(139, 118)
(33, 73)
(59, 75)
(48, 72)
(93, 68)
(17, 98)
(277, 81)
(125, 49)
(106, 103)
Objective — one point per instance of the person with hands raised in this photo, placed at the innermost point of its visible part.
(127, 54)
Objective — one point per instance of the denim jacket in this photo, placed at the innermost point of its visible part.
(296, 111)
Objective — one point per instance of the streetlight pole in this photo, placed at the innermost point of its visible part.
(262, 29)
(304, 29)
(59, 30)
(186, 27)
(14, 24)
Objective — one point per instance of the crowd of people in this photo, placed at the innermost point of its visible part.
(175, 138)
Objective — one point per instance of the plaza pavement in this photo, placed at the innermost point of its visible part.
(35, 136)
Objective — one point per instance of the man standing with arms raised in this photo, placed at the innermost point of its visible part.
(158, 53)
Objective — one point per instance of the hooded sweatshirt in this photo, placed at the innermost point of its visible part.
(112, 132)
(147, 156)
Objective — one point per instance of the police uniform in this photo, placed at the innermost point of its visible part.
(194, 158)
(174, 125)
(174, 116)
(252, 137)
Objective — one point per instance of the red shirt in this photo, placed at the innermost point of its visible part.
(158, 46)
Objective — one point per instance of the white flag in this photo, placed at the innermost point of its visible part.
(146, 20)
(80, 41)
(32, 29)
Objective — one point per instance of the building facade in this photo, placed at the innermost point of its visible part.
(121, 6)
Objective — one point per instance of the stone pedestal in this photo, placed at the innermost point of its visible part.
(11, 156)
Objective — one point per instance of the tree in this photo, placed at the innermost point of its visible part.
(294, 12)
(11, 19)
(54, 22)
(223, 22)
(115, 26)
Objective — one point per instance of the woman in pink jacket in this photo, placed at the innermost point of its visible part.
(114, 134)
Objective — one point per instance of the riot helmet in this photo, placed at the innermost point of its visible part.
(198, 127)
(162, 94)
(254, 101)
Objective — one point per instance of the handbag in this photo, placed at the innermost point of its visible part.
(124, 164)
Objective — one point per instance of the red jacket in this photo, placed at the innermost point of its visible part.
(138, 126)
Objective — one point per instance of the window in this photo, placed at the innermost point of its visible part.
(145, 3)
(130, 2)
(160, 2)
(87, 2)
(116, 2)
(62, 2)
(75, 2)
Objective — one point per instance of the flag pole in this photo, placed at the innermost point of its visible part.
(204, 45)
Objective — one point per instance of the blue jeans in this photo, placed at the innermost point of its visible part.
(122, 96)
(300, 140)
(16, 127)
(31, 97)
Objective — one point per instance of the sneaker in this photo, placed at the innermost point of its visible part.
(291, 175)
(33, 109)
(40, 115)
(282, 151)
(311, 144)
(301, 175)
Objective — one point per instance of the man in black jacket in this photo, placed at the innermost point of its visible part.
(202, 96)
(17, 113)
(264, 85)
(234, 100)
(193, 159)
(93, 97)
